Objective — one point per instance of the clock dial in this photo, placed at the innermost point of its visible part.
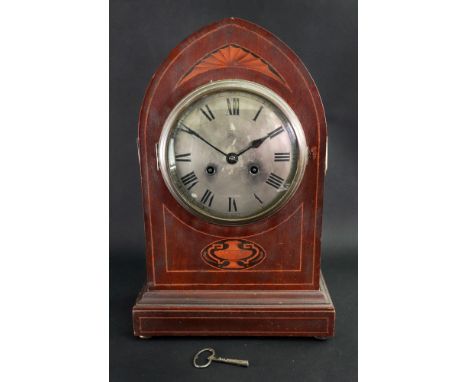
(232, 155)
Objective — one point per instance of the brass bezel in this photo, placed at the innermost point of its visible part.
(224, 85)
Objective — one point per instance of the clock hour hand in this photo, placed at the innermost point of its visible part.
(188, 130)
(253, 145)
(257, 142)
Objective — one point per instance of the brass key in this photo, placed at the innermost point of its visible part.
(212, 357)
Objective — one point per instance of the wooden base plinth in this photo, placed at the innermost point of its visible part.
(234, 313)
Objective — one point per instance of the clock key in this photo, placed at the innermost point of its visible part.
(214, 358)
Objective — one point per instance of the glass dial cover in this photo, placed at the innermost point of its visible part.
(232, 152)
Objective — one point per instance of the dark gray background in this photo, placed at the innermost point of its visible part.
(324, 35)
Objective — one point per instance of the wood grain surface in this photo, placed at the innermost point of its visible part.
(175, 239)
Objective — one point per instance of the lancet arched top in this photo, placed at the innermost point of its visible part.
(230, 49)
(232, 56)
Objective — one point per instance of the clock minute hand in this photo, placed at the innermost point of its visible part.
(190, 131)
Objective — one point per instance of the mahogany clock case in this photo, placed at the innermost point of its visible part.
(136, 49)
(277, 256)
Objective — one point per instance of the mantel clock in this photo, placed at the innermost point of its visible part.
(232, 144)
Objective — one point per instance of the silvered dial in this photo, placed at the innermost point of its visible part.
(232, 155)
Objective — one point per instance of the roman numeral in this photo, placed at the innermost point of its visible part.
(207, 198)
(232, 205)
(274, 180)
(258, 198)
(258, 113)
(207, 113)
(275, 132)
(183, 157)
(282, 157)
(189, 180)
(233, 106)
